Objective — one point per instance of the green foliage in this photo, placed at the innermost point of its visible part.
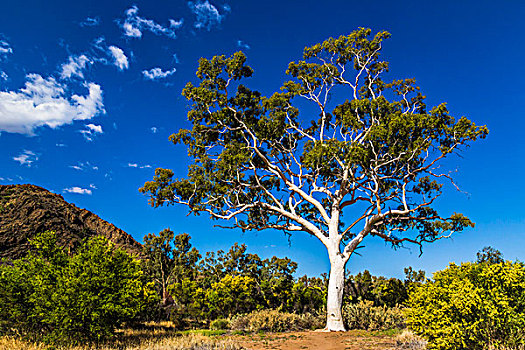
(83, 297)
(275, 321)
(169, 259)
(232, 295)
(376, 138)
(220, 324)
(489, 255)
(364, 315)
(412, 276)
(377, 289)
(308, 295)
(232, 282)
(471, 306)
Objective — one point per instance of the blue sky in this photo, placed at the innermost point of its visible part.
(90, 92)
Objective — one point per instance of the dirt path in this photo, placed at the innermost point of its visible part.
(353, 340)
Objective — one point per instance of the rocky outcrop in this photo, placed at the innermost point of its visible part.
(26, 210)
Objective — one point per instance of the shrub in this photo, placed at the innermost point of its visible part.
(232, 295)
(220, 324)
(275, 321)
(363, 315)
(72, 299)
(472, 306)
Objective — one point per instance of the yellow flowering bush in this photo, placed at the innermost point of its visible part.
(471, 306)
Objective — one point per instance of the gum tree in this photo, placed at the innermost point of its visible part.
(359, 146)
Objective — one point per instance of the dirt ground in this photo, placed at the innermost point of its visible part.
(352, 340)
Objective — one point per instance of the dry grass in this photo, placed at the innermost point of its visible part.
(364, 315)
(275, 321)
(156, 339)
(410, 341)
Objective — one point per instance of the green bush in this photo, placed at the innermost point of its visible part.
(220, 324)
(72, 299)
(275, 321)
(232, 295)
(472, 306)
(364, 315)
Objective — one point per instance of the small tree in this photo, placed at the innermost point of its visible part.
(370, 154)
(489, 255)
(169, 259)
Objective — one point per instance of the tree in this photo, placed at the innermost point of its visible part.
(370, 154)
(169, 259)
(489, 255)
(413, 276)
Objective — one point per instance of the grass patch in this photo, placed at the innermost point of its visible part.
(204, 332)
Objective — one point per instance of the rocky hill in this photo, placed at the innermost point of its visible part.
(26, 210)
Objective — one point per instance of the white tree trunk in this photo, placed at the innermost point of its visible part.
(334, 305)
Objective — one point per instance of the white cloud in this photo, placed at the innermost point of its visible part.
(78, 190)
(131, 31)
(95, 128)
(26, 158)
(91, 131)
(157, 73)
(43, 101)
(135, 165)
(120, 59)
(154, 129)
(75, 67)
(134, 25)
(5, 48)
(90, 22)
(3, 75)
(243, 45)
(207, 15)
(176, 24)
(80, 166)
(115, 56)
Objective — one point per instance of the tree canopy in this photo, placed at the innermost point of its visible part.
(255, 155)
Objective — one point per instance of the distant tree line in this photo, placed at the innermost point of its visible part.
(222, 284)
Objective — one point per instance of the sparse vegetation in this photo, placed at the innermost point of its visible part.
(364, 315)
(133, 340)
(410, 341)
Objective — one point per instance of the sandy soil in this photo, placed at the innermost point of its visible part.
(352, 340)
